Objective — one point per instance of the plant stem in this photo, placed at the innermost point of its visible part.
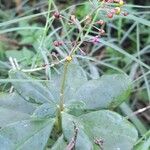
(58, 122)
(61, 103)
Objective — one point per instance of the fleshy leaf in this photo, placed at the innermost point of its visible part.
(107, 92)
(76, 108)
(75, 77)
(16, 102)
(44, 111)
(26, 135)
(13, 108)
(68, 124)
(32, 91)
(60, 144)
(115, 131)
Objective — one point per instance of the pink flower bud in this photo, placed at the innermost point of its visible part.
(109, 15)
(56, 15)
(101, 22)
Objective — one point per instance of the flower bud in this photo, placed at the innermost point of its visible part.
(118, 10)
(57, 43)
(101, 22)
(109, 15)
(68, 58)
(56, 15)
(125, 13)
(101, 31)
(121, 3)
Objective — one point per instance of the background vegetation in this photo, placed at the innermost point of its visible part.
(125, 47)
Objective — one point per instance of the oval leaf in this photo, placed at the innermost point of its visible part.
(26, 135)
(75, 77)
(115, 131)
(69, 123)
(15, 102)
(60, 144)
(44, 111)
(107, 92)
(13, 108)
(32, 91)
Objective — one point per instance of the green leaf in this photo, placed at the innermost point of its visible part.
(15, 102)
(107, 92)
(60, 144)
(13, 108)
(8, 116)
(68, 124)
(44, 111)
(75, 77)
(23, 55)
(26, 135)
(76, 108)
(32, 91)
(115, 131)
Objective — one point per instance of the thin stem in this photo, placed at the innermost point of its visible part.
(87, 32)
(46, 25)
(58, 122)
(41, 48)
(61, 103)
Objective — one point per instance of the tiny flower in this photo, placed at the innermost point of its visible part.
(109, 15)
(116, 1)
(95, 40)
(121, 3)
(109, 1)
(125, 13)
(57, 43)
(113, 11)
(60, 43)
(73, 18)
(101, 22)
(101, 31)
(88, 19)
(68, 58)
(118, 10)
(57, 15)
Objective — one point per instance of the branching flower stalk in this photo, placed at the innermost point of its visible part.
(77, 45)
(68, 60)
